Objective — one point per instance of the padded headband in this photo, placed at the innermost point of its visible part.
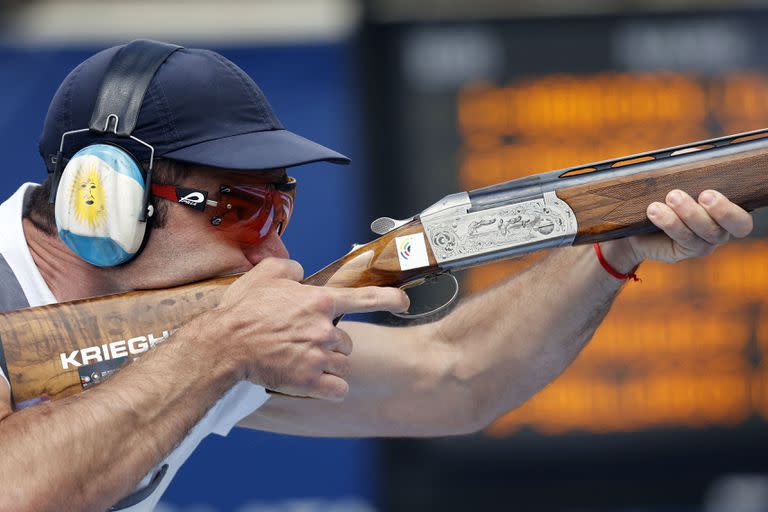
(125, 83)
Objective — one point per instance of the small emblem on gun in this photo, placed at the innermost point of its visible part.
(412, 251)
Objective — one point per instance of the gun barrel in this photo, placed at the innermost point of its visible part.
(536, 185)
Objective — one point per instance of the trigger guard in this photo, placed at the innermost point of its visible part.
(438, 309)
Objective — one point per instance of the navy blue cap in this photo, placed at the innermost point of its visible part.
(200, 108)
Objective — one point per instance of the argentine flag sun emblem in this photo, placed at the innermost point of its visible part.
(88, 196)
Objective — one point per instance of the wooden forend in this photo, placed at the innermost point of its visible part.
(617, 207)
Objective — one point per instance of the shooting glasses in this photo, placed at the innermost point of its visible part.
(245, 213)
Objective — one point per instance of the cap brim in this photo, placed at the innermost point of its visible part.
(272, 149)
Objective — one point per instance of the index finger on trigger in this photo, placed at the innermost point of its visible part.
(368, 299)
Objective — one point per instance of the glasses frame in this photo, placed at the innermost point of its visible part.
(198, 199)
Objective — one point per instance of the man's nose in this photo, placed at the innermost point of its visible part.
(272, 246)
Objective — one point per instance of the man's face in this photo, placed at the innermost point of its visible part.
(190, 248)
(88, 197)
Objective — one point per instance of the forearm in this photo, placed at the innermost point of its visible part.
(89, 450)
(496, 349)
(454, 376)
(510, 341)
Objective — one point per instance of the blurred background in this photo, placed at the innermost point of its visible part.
(664, 411)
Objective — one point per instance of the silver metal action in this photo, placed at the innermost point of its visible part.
(460, 237)
(457, 204)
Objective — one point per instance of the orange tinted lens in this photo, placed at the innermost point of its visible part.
(249, 212)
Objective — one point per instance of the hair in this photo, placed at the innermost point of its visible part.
(42, 214)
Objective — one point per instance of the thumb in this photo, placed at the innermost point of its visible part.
(657, 247)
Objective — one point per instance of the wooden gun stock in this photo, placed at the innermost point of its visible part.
(55, 351)
(58, 350)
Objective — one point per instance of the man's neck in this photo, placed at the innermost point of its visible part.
(68, 276)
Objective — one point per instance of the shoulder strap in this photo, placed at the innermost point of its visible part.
(125, 83)
(11, 295)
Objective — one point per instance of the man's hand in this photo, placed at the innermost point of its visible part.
(493, 351)
(690, 229)
(281, 332)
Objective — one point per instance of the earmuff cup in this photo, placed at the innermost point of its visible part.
(102, 200)
(99, 201)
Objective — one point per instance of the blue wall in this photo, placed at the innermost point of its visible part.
(313, 90)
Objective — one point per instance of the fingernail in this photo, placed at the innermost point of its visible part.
(707, 198)
(675, 198)
(654, 210)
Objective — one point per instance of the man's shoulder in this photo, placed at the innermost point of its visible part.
(11, 294)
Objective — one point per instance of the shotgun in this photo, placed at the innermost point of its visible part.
(58, 350)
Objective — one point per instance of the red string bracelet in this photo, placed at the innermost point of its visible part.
(608, 268)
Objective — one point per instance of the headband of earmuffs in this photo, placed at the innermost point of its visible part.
(102, 194)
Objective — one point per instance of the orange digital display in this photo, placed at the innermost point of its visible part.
(687, 347)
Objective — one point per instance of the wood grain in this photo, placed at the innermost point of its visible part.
(616, 208)
(33, 339)
(375, 264)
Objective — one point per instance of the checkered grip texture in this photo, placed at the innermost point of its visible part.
(744, 181)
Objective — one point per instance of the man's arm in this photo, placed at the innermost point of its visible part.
(87, 451)
(454, 376)
(62, 455)
(499, 347)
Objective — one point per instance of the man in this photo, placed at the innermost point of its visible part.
(212, 126)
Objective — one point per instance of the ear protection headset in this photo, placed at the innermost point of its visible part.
(102, 194)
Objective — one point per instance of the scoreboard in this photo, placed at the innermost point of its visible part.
(685, 347)
(682, 355)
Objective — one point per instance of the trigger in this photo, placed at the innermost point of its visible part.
(413, 284)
